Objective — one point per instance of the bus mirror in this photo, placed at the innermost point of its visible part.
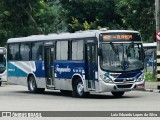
(99, 51)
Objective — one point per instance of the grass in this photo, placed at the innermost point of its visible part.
(149, 77)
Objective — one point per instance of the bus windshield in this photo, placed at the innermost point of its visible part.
(2, 63)
(119, 57)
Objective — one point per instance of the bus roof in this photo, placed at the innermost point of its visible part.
(150, 44)
(78, 34)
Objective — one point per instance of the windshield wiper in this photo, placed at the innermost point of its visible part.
(114, 49)
(124, 63)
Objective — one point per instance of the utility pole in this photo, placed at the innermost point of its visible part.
(157, 15)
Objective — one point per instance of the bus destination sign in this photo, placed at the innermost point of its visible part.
(120, 36)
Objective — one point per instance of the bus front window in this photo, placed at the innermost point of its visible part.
(119, 57)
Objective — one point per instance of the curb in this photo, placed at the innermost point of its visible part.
(6, 83)
(153, 90)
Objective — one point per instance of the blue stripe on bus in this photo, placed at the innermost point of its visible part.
(62, 69)
(40, 72)
(128, 75)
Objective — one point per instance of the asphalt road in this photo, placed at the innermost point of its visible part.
(18, 98)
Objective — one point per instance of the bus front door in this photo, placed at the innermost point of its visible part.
(49, 65)
(90, 66)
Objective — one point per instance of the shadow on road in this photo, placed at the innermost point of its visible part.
(57, 93)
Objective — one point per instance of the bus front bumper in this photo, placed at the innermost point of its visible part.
(110, 87)
(3, 79)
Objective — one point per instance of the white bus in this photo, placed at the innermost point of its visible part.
(81, 62)
(150, 50)
(3, 77)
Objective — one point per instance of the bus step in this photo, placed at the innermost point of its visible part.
(51, 87)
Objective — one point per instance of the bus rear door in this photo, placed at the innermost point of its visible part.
(49, 65)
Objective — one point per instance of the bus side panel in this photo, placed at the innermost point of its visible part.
(39, 69)
(16, 74)
(39, 73)
(65, 70)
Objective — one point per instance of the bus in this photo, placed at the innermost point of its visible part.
(80, 62)
(147, 46)
(3, 76)
(150, 57)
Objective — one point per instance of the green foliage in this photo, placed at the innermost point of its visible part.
(91, 14)
(149, 77)
(138, 15)
(74, 23)
(27, 17)
(112, 14)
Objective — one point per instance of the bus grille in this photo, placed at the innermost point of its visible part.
(122, 80)
(125, 86)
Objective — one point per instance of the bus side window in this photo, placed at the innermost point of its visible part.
(77, 50)
(16, 57)
(62, 50)
(36, 51)
(24, 51)
(10, 57)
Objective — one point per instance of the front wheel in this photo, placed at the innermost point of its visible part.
(78, 89)
(118, 94)
(32, 86)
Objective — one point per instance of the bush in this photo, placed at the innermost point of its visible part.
(149, 77)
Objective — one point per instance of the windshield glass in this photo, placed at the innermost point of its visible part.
(2, 63)
(119, 57)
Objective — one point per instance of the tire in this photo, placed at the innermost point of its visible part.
(32, 86)
(118, 94)
(78, 89)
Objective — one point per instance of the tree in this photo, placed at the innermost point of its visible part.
(138, 15)
(112, 14)
(90, 14)
(26, 17)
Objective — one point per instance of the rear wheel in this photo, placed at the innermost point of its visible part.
(118, 94)
(32, 86)
(78, 89)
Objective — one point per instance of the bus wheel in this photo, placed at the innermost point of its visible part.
(117, 94)
(32, 86)
(78, 89)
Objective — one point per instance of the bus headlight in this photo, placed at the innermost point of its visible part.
(141, 78)
(106, 79)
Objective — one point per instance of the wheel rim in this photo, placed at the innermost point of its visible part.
(32, 84)
(80, 88)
